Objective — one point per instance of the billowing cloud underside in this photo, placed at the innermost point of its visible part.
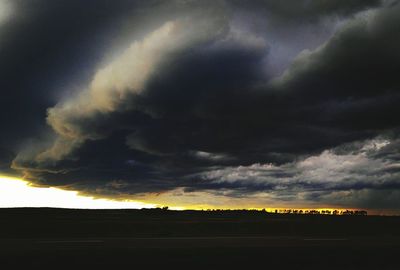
(299, 101)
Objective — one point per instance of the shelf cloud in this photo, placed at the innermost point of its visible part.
(296, 101)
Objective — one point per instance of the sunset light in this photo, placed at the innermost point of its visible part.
(16, 192)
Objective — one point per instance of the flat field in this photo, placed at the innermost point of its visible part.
(58, 238)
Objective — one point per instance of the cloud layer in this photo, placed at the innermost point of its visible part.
(296, 101)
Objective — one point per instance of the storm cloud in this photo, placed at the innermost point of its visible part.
(296, 101)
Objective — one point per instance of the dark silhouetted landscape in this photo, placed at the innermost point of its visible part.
(47, 237)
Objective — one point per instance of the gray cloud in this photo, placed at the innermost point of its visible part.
(81, 117)
(323, 178)
(306, 10)
(195, 99)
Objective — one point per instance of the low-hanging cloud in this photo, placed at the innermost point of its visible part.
(115, 85)
(197, 103)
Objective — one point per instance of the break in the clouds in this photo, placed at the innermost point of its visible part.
(294, 101)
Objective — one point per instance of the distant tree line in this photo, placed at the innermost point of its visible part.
(289, 211)
(323, 212)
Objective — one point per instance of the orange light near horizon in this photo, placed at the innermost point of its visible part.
(16, 192)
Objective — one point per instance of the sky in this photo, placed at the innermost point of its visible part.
(214, 103)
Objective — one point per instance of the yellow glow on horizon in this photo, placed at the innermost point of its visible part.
(15, 192)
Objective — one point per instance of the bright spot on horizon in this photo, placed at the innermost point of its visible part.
(15, 192)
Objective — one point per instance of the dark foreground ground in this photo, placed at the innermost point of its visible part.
(145, 239)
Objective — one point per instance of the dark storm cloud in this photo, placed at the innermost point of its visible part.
(45, 46)
(50, 48)
(189, 103)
